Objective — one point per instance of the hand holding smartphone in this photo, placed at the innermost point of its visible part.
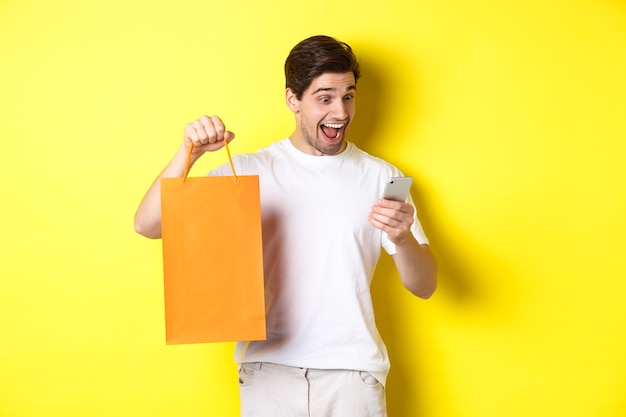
(397, 188)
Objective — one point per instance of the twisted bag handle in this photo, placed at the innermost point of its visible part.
(230, 159)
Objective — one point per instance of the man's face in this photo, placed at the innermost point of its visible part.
(324, 113)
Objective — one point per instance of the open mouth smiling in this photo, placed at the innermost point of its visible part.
(332, 130)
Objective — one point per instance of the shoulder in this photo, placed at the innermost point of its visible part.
(262, 155)
(256, 162)
(371, 162)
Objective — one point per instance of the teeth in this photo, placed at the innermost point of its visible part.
(334, 125)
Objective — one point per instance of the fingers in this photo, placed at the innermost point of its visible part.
(394, 209)
(390, 216)
(207, 131)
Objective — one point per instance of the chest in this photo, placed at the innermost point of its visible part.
(329, 200)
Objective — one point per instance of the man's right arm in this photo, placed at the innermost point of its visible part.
(207, 134)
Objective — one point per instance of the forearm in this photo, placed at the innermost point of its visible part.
(148, 215)
(417, 267)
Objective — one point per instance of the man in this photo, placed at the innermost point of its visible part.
(323, 225)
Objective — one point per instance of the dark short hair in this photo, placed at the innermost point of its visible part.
(315, 56)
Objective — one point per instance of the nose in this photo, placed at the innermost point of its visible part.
(340, 110)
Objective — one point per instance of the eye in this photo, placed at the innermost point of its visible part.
(348, 97)
(324, 99)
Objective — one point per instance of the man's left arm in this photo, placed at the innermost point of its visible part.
(415, 263)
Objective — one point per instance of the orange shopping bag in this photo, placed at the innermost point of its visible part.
(212, 258)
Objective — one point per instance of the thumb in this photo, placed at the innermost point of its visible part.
(229, 136)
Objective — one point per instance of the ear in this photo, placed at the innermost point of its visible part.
(292, 101)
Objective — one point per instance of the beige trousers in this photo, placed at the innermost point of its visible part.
(269, 390)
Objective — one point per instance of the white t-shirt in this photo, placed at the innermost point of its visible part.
(319, 254)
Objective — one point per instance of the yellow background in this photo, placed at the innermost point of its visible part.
(510, 115)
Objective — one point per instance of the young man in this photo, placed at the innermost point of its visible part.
(323, 225)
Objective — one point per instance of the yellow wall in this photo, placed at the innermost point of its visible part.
(511, 115)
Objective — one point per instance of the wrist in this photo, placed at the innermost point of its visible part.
(405, 239)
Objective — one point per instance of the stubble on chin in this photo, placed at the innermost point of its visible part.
(328, 149)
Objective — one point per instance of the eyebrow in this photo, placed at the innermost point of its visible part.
(324, 89)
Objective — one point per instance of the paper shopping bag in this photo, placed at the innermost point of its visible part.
(212, 259)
